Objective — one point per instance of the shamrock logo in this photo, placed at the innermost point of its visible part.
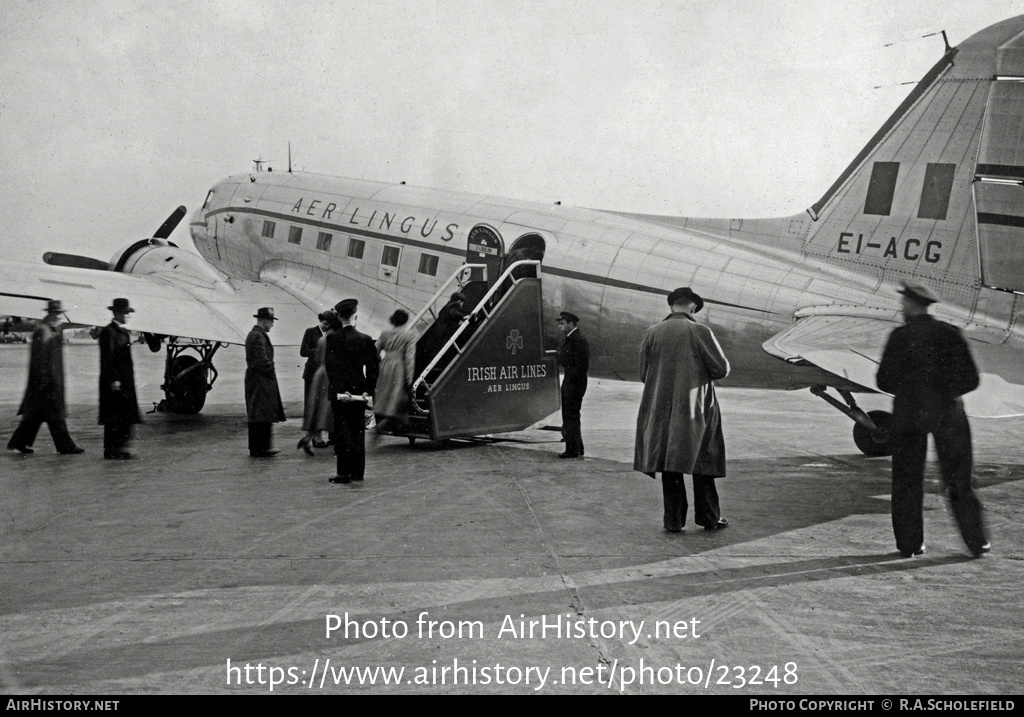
(514, 341)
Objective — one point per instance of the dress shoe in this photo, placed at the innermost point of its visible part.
(20, 449)
(669, 528)
(912, 553)
(320, 444)
(304, 445)
(569, 455)
(722, 524)
(264, 454)
(985, 548)
(73, 451)
(339, 479)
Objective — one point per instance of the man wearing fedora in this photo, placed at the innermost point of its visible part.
(262, 396)
(119, 408)
(44, 395)
(574, 358)
(927, 366)
(353, 365)
(679, 428)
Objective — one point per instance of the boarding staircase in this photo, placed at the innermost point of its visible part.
(493, 374)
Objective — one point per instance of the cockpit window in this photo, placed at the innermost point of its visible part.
(209, 196)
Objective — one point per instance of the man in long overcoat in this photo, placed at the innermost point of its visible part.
(119, 407)
(262, 396)
(44, 395)
(574, 358)
(927, 366)
(353, 365)
(679, 429)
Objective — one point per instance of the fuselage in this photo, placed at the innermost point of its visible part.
(394, 245)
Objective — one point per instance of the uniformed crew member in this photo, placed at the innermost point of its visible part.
(352, 367)
(574, 358)
(679, 427)
(927, 366)
(119, 408)
(44, 395)
(262, 395)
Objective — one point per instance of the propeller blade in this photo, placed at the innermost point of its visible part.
(169, 225)
(74, 260)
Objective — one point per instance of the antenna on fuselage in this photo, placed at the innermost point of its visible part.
(289, 158)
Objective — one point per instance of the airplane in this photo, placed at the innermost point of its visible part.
(798, 302)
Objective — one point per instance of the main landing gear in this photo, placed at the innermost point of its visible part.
(872, 431)
(187, 378)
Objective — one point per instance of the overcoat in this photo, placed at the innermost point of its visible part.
(121, 406)
(317, 414)
(574, 358)
(926, 365)
(262, 396)
(679, 428)
(307, 349)
(397, 370)
(44, 395)
(352, 362)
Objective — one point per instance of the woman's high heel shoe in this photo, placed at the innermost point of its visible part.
(304, 445)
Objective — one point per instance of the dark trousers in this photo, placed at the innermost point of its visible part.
(259, 437)
(952, 435)
(116, 436)
(350, 438)
(705, 500)
(571, 429)
(25, 435)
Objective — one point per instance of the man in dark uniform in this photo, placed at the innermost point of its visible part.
(574, 358)
(119, 408)
(927, 366)
(44, 396)
(352, 364)
(262, 396)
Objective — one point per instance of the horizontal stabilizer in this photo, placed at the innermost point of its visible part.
(852, 346)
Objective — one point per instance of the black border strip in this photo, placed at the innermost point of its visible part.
(1003, 220)
(1000, 170)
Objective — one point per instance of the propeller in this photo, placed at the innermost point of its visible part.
(78, 261)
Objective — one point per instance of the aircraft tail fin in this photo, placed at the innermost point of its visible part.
(938, 193)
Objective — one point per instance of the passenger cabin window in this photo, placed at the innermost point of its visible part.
(428, 264)
(390, 255)
(882, 188)
(938, 185)
(295, 235)
(323, 241)
(355, 248)
(268, 229)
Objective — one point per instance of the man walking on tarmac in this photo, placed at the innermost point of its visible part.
(927, 366)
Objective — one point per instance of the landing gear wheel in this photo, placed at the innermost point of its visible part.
(875, 443)
(412, 440)
(187, 392)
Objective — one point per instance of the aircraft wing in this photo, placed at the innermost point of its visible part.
(165, 303)
(851, 346)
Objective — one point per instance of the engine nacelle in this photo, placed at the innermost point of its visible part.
(160, 257)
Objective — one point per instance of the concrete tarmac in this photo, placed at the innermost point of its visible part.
(196, 569)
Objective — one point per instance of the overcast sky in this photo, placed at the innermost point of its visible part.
(112, 113)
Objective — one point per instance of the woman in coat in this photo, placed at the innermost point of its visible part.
(317, 416)
(397, 367)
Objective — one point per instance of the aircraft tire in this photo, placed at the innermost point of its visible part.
(188, 393)
(871, 443)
